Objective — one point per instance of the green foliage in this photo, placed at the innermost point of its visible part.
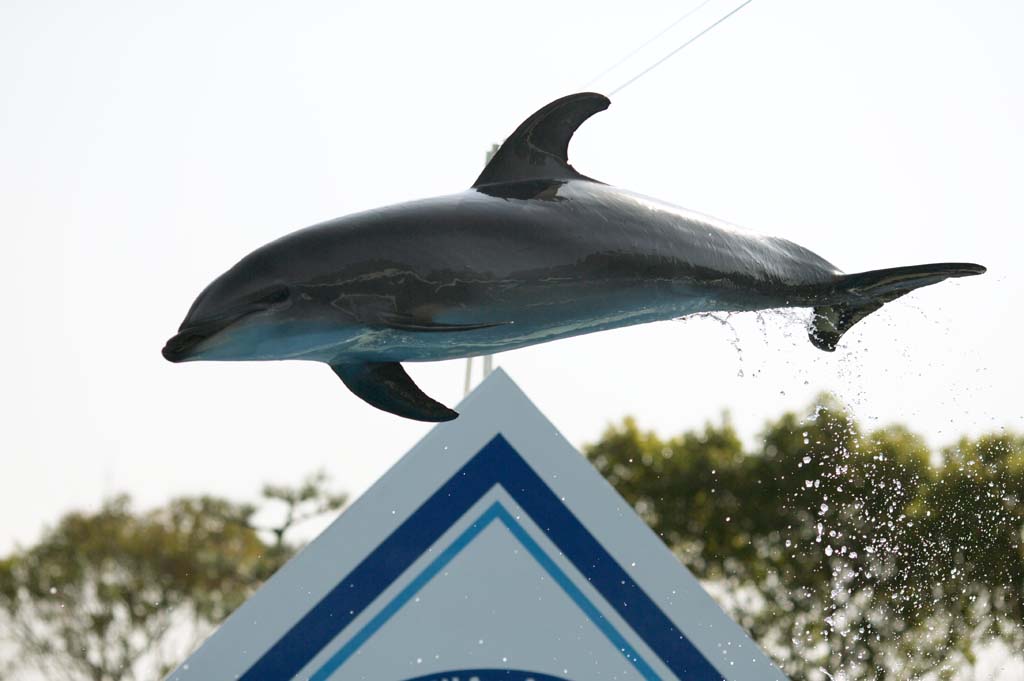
(119, 594)
(860, 555)
(856, 555)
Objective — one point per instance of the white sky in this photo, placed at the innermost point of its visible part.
(145, 147)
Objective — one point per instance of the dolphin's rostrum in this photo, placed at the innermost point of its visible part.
(533, 252)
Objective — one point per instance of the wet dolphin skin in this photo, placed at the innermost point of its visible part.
(533, 252)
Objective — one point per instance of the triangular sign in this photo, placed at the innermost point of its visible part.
(492, 550)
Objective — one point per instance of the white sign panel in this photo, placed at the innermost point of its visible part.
(492, 551)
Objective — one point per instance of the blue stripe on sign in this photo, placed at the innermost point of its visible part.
(495, 512)
(487, 675)
(496, 464)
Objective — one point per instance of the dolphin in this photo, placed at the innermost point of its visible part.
(533, 252)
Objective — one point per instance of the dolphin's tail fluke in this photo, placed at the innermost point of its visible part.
(862, 293)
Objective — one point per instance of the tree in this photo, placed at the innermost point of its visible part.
(119, 594)
(308, 500)
(860, 555)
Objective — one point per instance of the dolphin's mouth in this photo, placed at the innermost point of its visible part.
(181, 346)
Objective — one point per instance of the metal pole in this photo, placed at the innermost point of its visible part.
(469, 375)
(488, 359)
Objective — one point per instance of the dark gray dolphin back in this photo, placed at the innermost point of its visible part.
(531, 226)
(539, 148)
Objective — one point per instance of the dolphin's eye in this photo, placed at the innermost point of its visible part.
(277, 296)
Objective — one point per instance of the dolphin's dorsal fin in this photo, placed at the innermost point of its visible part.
(539, 148)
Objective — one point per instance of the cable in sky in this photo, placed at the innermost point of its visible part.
(677, 50)
(645, 44)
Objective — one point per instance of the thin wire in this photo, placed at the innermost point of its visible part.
(677, 50)
(649, 41)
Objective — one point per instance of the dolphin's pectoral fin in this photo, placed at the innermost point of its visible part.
(539, 148)
(385, 385)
